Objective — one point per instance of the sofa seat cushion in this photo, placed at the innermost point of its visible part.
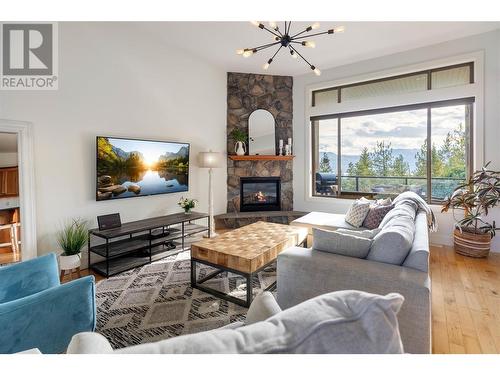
(340, 243)
(323, 220)
(339, 322)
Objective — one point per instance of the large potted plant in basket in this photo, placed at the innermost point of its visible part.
(476, 197)
(72, 238)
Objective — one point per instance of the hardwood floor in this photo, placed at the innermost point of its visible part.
(465, 302)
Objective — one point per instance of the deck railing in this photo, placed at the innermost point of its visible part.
(441, 186)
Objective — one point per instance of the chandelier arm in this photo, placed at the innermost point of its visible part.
(289, 25)
(277, 29)
(272, 32)
(272, 58)
(296, 35)
(310, 35)
(264, 46)
(302, 57)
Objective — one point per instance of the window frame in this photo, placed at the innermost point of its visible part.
(427, 72)
(469, 101)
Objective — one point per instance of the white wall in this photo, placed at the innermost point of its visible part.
(8, 159)
(487, 42)
(116, 79)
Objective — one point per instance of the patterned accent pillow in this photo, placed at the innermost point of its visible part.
(375, 215)
(357, 212)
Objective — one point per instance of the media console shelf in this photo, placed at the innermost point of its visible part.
(137, 243)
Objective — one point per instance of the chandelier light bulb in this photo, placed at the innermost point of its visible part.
(255, 23)
(317, 71)
(273, 24)
(240, 51)
(339, 29)
(293, 54)
(248, 53)
(315, 25)
(266, 66)
(309, 44)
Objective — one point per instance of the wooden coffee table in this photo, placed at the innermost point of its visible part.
(244, 251)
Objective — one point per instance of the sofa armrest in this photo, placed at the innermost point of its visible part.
(89, 343)
(305, 273)
(32, 276)
(47, 320)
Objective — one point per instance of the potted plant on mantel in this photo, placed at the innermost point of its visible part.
(240, 137)
(72, 238)
(476, 197)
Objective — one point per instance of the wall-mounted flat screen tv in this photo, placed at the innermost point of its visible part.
(129, 168)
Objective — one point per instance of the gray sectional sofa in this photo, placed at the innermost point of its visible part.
(388, 267)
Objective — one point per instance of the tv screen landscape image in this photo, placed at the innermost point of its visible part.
(132, 168)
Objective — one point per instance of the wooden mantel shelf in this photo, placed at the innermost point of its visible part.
(261, 157)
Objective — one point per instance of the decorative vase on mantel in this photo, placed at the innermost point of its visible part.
(240, 148)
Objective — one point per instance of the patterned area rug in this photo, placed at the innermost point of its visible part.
(156, 301)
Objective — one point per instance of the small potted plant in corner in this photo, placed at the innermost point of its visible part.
(72, 238)
(187, 204)
(472, 233)
(240, 137)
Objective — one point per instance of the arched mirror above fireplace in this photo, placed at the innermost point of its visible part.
(261, 133)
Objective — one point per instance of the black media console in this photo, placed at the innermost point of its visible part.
(137, 243)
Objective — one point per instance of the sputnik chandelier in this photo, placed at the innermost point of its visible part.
(285, 39)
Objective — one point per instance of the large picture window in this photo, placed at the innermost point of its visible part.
(423, 148)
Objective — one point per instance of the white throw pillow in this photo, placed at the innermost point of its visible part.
(357, 212)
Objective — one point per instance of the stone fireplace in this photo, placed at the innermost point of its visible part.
(246, 93)
(258, 189)
(260, 194)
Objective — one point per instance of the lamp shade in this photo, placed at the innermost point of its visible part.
(210, 159)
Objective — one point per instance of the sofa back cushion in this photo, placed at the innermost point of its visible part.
(339, 322)
(395, 240)
(341, 243)
(418, 257)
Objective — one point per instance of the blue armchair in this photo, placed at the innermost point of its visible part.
(36, 311)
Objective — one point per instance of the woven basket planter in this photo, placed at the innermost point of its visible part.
(472, 244)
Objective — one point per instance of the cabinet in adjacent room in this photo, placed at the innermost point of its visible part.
(9, 181)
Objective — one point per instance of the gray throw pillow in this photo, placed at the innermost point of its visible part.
(370, 234)
(357, 212)
(340, 243)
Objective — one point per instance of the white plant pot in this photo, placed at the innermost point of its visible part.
(69, 262)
